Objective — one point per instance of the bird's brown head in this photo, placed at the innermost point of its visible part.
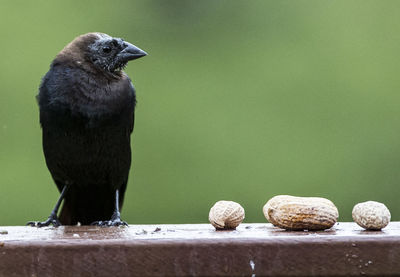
(101, 50)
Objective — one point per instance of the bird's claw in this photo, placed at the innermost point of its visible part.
(52, 220)
(108, 223)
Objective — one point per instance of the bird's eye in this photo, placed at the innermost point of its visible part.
(106, 49)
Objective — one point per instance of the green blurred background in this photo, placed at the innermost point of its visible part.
(238, 100)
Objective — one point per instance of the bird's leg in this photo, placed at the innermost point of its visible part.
(52, 219)
(115, 218)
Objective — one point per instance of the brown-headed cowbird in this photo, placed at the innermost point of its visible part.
(87, 106)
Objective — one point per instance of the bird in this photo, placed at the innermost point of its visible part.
(87, 111)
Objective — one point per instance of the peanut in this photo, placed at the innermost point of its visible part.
(301, 213)
(371, 215)
(226, 215)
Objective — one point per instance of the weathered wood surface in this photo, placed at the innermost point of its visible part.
(199, 250)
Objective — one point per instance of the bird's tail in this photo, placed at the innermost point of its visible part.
(86, 205)
(65, 216)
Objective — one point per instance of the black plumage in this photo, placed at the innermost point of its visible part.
(87, 106)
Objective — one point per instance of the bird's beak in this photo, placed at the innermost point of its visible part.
(131, 52)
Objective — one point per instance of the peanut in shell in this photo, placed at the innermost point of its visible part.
(301, 213)
(226, 215)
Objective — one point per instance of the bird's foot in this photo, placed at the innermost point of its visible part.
(112, 222)
(52, 220)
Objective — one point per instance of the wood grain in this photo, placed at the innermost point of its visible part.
(199, 250)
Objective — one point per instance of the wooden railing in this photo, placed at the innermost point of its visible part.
(198, 250)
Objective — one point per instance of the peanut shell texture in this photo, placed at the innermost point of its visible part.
(371, 215)
(226, 215)
(301, 213)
